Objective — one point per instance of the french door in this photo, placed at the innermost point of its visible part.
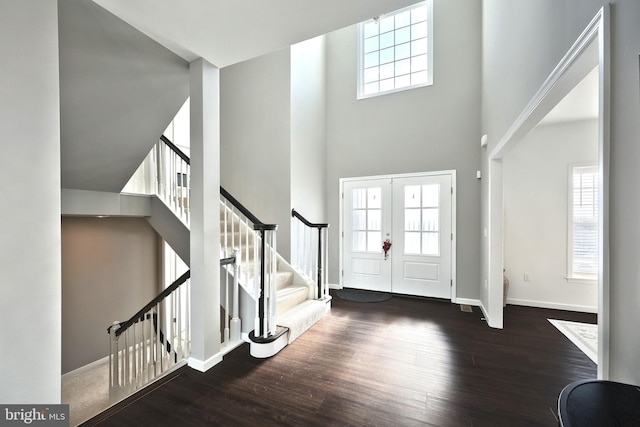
(413, 214)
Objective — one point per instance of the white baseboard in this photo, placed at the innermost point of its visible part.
(468, 301)
(205, 365)
(334, 286)
(552, 305)
(83, 369)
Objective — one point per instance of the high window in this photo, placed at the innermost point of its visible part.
(396, 51)
(583, 229)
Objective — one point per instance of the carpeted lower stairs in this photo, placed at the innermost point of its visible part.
(296, 307)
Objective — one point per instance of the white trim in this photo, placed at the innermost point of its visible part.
(582, 280)
(552, 305)
(205, 365)
(545, 98)
(468, 301)
(484, 312)
(83, 369)
(578, 61)
(451, 172)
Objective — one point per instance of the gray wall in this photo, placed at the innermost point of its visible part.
(426, 129)
(255, 153)
(517, 58)
(110, 270)
(30, 214)
(308, 128)
(118, 90)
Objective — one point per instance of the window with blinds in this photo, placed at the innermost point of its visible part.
(395, 51)
(583, 231)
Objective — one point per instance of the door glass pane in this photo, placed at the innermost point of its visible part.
(359, 198)
(359, 243)
(374, 221)
(411, 243)
(374, 241)
(360, 219)
(412, 219)
(412, 196)
(431, 244)
(366, 217)
(374, 198)
(430, 219)
(431, 196)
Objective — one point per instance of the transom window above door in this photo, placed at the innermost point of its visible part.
(396, 51)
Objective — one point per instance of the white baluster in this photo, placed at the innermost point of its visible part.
(235, 321)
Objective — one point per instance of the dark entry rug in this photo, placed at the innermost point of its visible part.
(359, 295)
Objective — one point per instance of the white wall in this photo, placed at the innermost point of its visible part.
(427, 129)
(30, 296)
(118, 89)
(255, 152)
(308, 128)
(110, 270)
(517, 58)
(536, 191)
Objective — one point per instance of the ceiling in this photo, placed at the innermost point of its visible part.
(580, 104)
(226, 32)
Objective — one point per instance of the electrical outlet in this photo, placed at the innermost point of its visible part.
(526, 277)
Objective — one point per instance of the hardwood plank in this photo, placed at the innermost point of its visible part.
(406, 361)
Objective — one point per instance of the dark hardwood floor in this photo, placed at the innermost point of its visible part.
(403, 362)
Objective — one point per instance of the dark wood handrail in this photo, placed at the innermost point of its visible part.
(296, 214)
(227, 261)
(123, 326)
(257, 224)
(175, 149)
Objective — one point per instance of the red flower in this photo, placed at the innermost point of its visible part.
(386, 245)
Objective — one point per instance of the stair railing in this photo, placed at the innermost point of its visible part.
(240, 229)
(152, 341)
(173, 173)
(255, 242)
(309, 253)
(230, 298)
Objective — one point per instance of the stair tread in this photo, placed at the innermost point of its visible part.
(302, 316)
(291, 289)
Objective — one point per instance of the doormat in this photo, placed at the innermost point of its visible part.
(359, 295)
(583, 335)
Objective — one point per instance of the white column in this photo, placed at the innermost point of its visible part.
(30, 254)
(205, 215)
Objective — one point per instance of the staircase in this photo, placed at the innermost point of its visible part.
(287, 297)
(265, 300)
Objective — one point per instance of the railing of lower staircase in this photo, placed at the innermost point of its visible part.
(152, 341)
(255, 243)
(158, 337)
(309, 253)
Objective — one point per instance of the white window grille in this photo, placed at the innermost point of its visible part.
(583, 230)
(396, 51)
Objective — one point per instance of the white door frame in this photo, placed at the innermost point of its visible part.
(452, 173)
(590, 50)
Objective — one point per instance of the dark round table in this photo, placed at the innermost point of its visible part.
(599, 403)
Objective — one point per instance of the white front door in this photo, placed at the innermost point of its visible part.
(412, 213)
(422, 236)
(367, 223)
